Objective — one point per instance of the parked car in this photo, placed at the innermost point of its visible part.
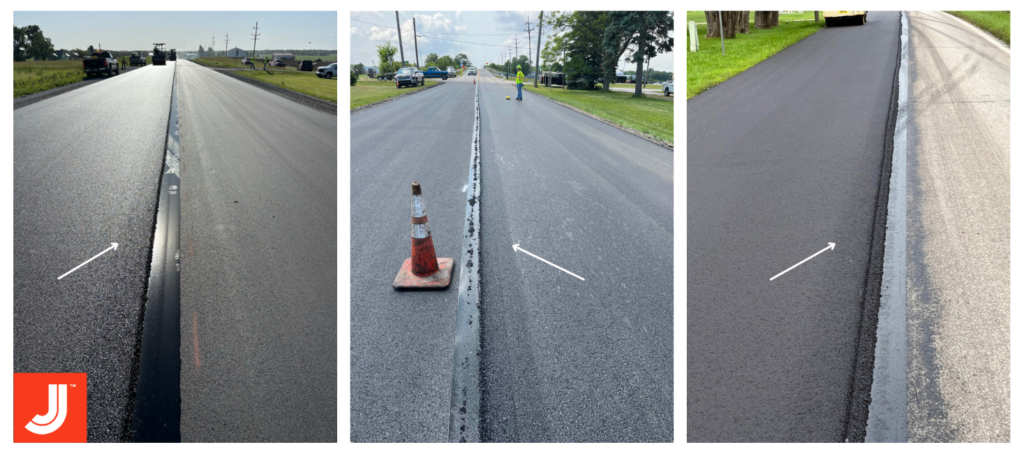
(451, 72)
(306, 65)
(669, 87)
(328, 71)
(137, 59)
(278, 63)
(408, 76)
(471, 72)
(100, 62)
(246, 60)
(433, 71)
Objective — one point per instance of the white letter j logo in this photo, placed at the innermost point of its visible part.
(54, 418)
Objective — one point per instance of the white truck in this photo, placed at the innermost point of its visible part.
(669, 87)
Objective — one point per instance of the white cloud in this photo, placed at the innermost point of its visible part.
(433, 23)
(460, 28)
(353, 31)
(458, 15)
(376, 34)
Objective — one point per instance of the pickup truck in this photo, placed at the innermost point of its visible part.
(100, 62)
(669, 87)
(408, 76)
(137, 59)
(433, 71)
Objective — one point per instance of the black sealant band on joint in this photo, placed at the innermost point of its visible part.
(859, 397)
(464, 411)
(156, 416)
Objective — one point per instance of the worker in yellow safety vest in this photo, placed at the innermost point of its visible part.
(519, 81)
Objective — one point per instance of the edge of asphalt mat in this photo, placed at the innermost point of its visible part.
(887, 414)
(875, 288)
(464, 412)
(301, 98)
(385, 101)
(156, 369)
(632, 131)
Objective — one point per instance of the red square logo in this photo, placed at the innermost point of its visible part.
(50, 408)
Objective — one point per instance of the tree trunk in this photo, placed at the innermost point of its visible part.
(711, 17)
(775, 18)
(730, 25)
(640, 66)
(744, 22)
(815, 16)
(763, 20)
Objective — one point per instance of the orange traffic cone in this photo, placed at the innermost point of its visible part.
(423, 269)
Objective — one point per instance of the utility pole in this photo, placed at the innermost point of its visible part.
(529, 36)
(540, 35)
(415, 43)
(255, 34)
(213, 42)
(226, 41)
(400, 48)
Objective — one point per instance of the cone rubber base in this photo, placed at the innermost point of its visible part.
(440, 279)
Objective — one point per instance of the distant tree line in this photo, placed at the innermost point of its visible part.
(29, 42)
(588, 45)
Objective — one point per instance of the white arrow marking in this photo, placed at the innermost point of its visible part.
(112, 246)
(830, 246)
(515, 247)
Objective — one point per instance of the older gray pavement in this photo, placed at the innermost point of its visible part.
(958, 277)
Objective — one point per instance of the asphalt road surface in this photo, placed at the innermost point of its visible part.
(401, 362)
(564, 359)
(259, 264)
(958, 289)
(567, 360)
(783, 159)
(87, 166)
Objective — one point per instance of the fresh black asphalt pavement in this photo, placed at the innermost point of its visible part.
(258, 264)
(783, 159)
(87, 167)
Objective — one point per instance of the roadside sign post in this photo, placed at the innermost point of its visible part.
(720, 34)
(694, 42)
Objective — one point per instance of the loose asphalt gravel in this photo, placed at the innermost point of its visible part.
(259, 264)
(783, 159)
(87, 166)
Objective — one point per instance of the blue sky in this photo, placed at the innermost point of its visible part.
(481, 35)
(185, 29)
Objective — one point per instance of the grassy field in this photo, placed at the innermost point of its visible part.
(222, 62)
(698, 16)
(994, 22)
(647, 115)
(302, 82)
(366, 92)
(707, 68)
(649, 86)
(36, 76)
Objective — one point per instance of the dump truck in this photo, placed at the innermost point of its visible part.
(853, 17)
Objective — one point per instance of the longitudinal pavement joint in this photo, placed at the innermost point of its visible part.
(887, 413)
(464, 420)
